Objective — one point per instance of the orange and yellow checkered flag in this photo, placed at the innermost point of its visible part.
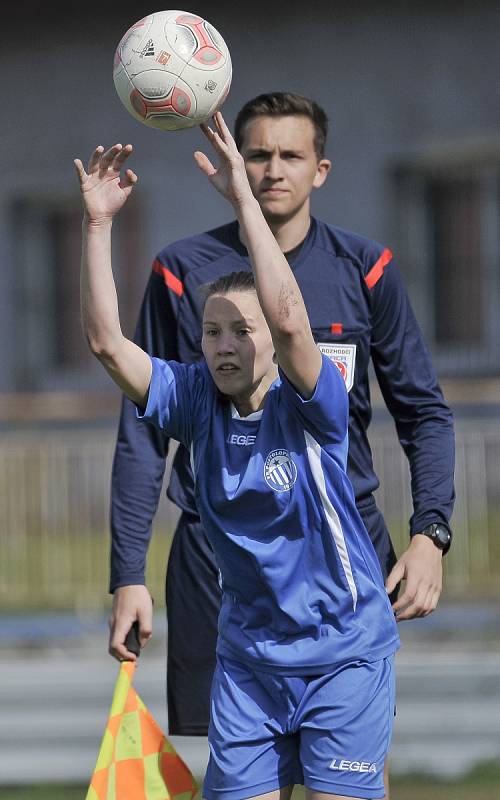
(136, 761)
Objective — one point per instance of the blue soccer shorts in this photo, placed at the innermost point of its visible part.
(330, 732)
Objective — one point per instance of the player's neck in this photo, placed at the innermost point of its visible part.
(249, 402)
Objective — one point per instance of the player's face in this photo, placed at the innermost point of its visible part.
(237, 346)
(282, 165)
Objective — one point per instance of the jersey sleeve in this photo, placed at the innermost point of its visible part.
(410, 388)
(172, 396)
(141, 449)
(326, 414)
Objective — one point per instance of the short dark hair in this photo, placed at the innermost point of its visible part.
(242, 281)
(284, 104)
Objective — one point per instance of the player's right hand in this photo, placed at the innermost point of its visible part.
(130, 603)
(229, 177)
(104, 190)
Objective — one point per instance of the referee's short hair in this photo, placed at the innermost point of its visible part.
(284, 104)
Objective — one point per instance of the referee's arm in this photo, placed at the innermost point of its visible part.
(424, 425)
(140, 451)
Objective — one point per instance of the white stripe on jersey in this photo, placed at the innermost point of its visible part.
(314, 457)
(282, 474)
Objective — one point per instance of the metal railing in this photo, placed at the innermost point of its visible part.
(473, 563)
(54, 511)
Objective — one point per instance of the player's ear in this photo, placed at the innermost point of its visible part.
(323, 168)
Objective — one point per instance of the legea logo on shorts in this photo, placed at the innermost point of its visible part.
(345, 765)
(280, 471)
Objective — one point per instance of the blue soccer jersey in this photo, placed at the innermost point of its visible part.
(302, 586)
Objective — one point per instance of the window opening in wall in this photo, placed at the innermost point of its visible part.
(50, 350)
(448, 226)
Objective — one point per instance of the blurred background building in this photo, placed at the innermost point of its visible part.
(411, 91)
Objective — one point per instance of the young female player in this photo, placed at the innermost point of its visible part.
(304, 686)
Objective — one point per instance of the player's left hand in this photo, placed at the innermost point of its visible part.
(230, 177)
(421, 568)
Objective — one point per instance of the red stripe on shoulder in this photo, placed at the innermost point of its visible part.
(377, 270)
(171, 281)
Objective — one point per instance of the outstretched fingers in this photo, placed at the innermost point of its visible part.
(229, 177)
(107, 158)
(107, 183)
(225, 136)
(94, 159)
(217, 140)
(222, 128)
(122, 155)
(82, 175)
(204, 163)
(114, 158)
(129, 180)
(101, 161)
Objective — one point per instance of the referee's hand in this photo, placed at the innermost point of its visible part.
(421, 568)
(130, 603)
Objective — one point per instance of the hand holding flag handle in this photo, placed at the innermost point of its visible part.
(132, 639)
(131, 604)
(136, 761)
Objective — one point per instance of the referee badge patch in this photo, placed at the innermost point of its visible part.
(344, 357)
(280, 471)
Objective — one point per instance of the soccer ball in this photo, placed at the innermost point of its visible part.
(172, 70)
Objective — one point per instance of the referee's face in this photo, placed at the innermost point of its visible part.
(282, 165)
(238, 348)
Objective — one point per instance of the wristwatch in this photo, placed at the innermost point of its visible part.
(441, 535)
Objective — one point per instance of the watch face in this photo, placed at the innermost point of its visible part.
(442, 535)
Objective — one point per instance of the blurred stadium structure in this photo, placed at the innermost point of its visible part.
(415, 143)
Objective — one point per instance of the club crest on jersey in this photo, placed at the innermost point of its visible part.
(280, 471)
(344, 357)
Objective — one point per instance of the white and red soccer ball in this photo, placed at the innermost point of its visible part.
(172, 70)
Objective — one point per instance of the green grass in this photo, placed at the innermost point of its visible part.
(45, 792)
(59, 571)
(480, 784)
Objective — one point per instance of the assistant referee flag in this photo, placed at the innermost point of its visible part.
(136, 761)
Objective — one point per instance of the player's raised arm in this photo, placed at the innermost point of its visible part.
(279, 295)
(104, 192)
